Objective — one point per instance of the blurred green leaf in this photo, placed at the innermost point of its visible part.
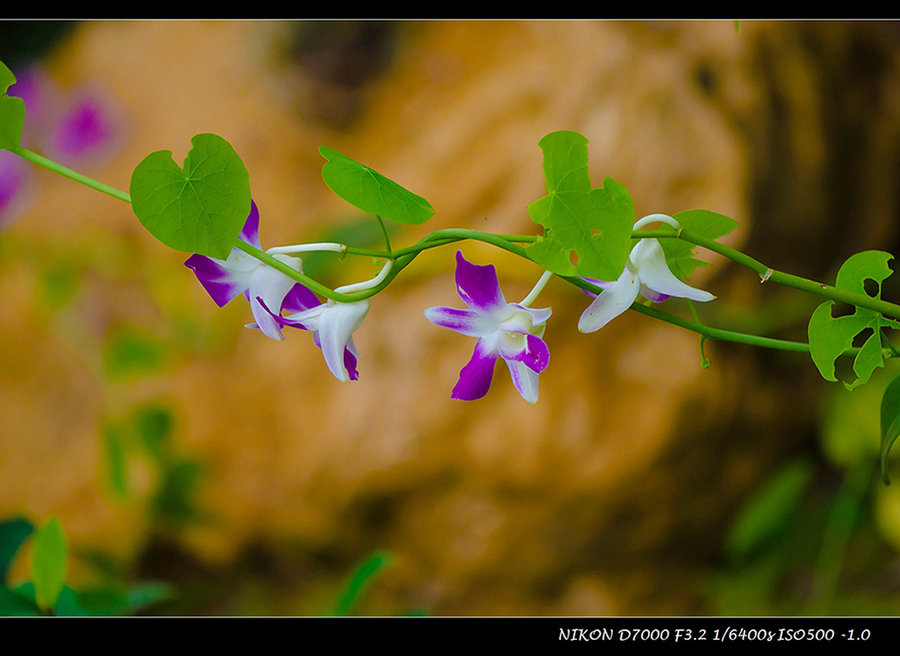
(372, 192)
(13, 533)
(830, 336)
(200, 208)
(132, 351)
(115, 449)
(360, 580)
(153, 423)
(16, 604)
(119, 600)
(850, 433)
(769, 510)
(174, 502)
(12, 112)
(48, 562)
(890, 422)
(68, 604)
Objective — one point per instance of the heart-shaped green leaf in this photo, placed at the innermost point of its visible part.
(12, 112)
(372, 192)
(830, 336)
(587, 232)
(198, 208)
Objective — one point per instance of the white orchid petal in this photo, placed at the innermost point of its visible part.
(524, 379)
(335, 327)
(610, 303)
(649, 260)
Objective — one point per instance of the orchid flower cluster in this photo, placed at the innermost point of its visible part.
(589, 239)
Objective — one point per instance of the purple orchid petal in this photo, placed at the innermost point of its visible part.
(250, 232)
(215, 278)
(477, 285)
(465, 322)
(524, 379)
(526, 348)
(602, 284)
(475, 377)
(350, 364)
(652, 295)
(300, 298)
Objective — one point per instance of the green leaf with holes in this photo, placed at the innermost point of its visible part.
(12, 112)
(372, 192)
(200, 207)
(587, 231)
(830, 336)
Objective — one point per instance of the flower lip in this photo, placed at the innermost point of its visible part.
(332, 325)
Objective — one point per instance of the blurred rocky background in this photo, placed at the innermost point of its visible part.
(177, 446)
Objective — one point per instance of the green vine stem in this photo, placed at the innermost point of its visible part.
(40, 160)
(768, 274)
(402, 257)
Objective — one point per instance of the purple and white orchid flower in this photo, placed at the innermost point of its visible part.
(263, 286)
(332, 325)
(646, 273)
(511, 331)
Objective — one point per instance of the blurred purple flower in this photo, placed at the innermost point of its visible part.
(506, 330)
(83, 127)
(15, 187)
(86, 129)
(263, 286)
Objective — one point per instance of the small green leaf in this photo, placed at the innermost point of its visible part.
(360, 580)
(830, 336)
(890, 422)
(372, 192)
(587, 231)
(115, 448)
(565, 162)
(69, 604)
(48, 562)
(153, 423)
(12, 112)
(680, 253)
(198, 208)
(14, 603)
(131, 351)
